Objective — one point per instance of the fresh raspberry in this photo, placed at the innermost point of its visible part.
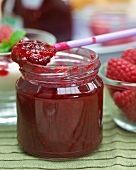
(5, 32)
(129, 55)
(126, 101)
(33, 51)
(122, 70)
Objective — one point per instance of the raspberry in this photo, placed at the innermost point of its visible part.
(129, 55)
(5, 32)
(126, 101)
(122, 70)
(33, 51)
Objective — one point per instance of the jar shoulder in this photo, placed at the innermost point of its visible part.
(26, 87)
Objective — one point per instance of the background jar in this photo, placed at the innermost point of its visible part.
(54, 16)
(60, 105)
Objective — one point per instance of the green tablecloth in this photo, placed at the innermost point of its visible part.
(117, 151)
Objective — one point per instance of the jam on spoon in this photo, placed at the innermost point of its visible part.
(33, 51)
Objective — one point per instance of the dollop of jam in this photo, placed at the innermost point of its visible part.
(33, 51)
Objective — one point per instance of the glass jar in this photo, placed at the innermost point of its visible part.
(120, 101)
(60, 105)
(9, 73)
(54, 16)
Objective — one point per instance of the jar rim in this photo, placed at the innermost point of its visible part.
(81, 59)
(82, 64)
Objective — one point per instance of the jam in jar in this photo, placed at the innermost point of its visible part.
(59, 105)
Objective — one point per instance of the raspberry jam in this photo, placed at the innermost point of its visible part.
(60, 105)
(36, 52)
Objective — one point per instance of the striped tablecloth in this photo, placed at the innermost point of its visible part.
(117, 151)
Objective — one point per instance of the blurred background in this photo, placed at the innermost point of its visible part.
(75, 19)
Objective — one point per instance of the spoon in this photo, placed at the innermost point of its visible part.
(95, 39)
(91, 40)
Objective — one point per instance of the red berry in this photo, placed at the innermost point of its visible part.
(129, 55)
(122, 70)
(5, 32)
(33, 51)
(126, 101)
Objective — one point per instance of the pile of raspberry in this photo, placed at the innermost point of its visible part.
(5, 32)
(124, 69)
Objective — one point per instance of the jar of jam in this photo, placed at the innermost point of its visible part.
(54, 16)
(59, 105)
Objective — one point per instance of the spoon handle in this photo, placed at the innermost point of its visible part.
(95, 39)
